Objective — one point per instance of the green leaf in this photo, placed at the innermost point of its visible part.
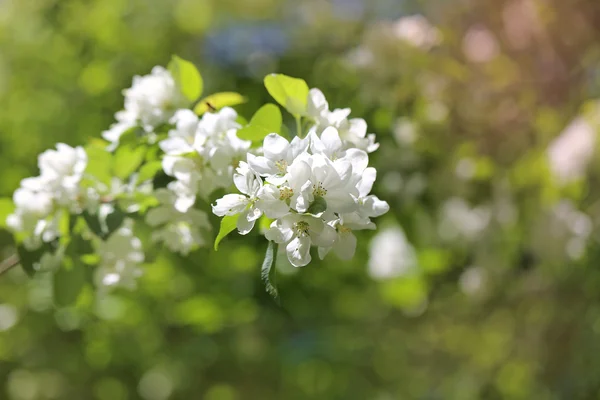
(131, 136)
(70, 279)
(149, 170)
(267, 272)
(30, 258)
(291, 93)
(7, 207)
(228, 224)
(127, 159)
(268, 117)
(187, 77)
(93, 223)
(219, 100)
(114, 220)
(265, 121)
(317, 206)
(99, 163)
(253, 133)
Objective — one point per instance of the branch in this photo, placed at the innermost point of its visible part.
(9, 263)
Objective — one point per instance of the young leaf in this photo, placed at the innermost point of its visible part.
(127, 159)
(187, 77)
(99, 162)
(217, 101)
(291, 93)
(228, 224)
(6, 208)
(266, 120)
(267, 272)
(253, 133)
(149, 170)
(268, 117)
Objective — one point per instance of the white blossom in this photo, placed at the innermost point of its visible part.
(298, 233)
(181, 232)
(120, 258)
(391, 254)
(317, 188)
(352, 131)
(249, 184)
(152, 99)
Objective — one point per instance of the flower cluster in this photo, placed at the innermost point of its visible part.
(149, 102)
(316, 189)
(200, 153)
(40, 199)
(163, 161)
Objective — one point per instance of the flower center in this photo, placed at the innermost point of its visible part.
(285, 193)
(281, 166)
(301, 228)
(344, 229)
(319, 190)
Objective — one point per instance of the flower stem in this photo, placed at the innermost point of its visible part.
(299, 127)
(9, 263)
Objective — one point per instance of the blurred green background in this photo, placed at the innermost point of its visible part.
(482, 282)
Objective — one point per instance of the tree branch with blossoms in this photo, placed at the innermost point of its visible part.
(147, 184)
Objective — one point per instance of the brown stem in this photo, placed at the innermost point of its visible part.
(9, 263)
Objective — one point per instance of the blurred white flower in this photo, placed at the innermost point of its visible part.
(391, 254)
(152, 99)
(459, 220)
(181, 232)
(480, 45)
(472, 280)
(405, 131)
(120, 258)
(571, 152)
(416, 31)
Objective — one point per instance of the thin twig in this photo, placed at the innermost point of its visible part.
(9, 263)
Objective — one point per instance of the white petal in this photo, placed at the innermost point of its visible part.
(331, 141)
(299, 174)
(366, 183)
(340, 202)
(326, 238)
(275, 147)
(279, 234)
(184, 203)
(230, 204)
(246, 221)
(262, 165)
(358, 127)
(375, 207)
(323, 251)
(298, 251)
(359, 160)
(345, 245)
(316, 103)
(175, 146)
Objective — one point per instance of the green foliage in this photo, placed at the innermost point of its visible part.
(149, 170)
(216, 101)
(201, 327)
(265, 121)
(268, 272)
(291, 93)
(6, 208)
(228, 224)
(127, 160)
(70, 278)
(99, 163)
(187, 77)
